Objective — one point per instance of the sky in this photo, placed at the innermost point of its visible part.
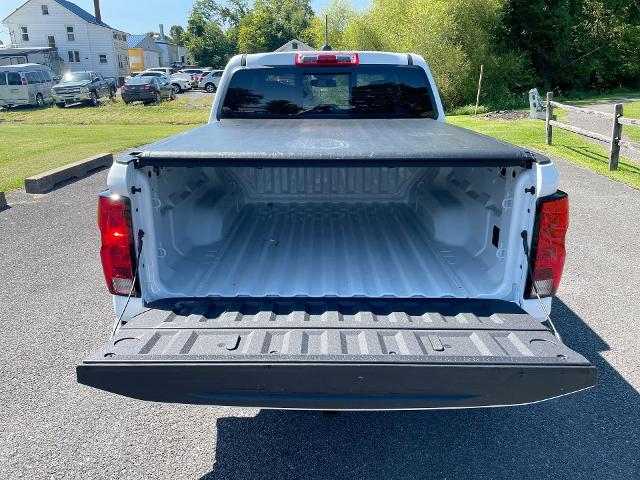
(139, 16)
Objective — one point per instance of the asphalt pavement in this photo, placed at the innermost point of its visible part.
(604, 126)
(54, 309)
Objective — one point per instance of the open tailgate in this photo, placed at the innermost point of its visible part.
(337, 354)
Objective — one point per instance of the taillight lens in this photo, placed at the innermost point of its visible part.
(118, 248)
(327, 59)
(547, 250)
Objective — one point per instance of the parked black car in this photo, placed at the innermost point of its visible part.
(146, 89)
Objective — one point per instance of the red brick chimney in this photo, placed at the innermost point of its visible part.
(96, 7)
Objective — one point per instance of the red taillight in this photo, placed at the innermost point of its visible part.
(118, 249)
(327, 59)
(147, 87)
(200, 78)
(547, 250)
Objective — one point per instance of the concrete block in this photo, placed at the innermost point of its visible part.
(46, 181)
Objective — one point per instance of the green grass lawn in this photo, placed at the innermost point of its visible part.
(33, 141)
(567, 145)
(631, 110)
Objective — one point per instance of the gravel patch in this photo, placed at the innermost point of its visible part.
(505, 115)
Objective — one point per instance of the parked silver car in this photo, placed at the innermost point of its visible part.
(26, 84)
(209, 81)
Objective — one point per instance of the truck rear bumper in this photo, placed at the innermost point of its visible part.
(335, 355)
(339, 386)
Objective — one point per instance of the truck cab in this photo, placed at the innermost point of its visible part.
(327, 241)
(83, 87)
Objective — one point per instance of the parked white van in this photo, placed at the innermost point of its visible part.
(26, 84)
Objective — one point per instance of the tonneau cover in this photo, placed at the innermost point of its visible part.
(327, 142)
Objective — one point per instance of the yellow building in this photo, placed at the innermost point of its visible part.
(143, 53)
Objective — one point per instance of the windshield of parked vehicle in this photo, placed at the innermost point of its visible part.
(151, 74)
(139, 80)
(363, 91)
(76, 77)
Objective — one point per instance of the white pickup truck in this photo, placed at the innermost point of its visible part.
(328, 242)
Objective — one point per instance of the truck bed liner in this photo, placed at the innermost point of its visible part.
(328, 142)
(270, 250)
(336, 353)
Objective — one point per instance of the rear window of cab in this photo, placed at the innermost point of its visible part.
(363, 91)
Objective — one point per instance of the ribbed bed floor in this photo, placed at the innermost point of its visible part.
(317, 250)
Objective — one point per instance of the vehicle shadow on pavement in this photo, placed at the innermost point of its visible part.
(591, 434)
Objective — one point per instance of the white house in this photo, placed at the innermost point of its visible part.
(84, 41)
(293, 45)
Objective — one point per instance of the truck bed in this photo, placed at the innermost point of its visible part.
(326, 142)
(270, 250)
(336, 354)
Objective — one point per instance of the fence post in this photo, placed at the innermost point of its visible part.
(549, 117)
(616, 136)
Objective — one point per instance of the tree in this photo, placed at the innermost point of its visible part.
(576, 44)
(339, 13)
(211, 34)
(272, 23)
(454, 36)
(206, 41)
(177, 34)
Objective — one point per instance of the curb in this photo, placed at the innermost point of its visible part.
(46, 181)
(3, 200)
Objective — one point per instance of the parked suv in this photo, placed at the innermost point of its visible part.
(209, 81)
(83, 87)
(26, 84)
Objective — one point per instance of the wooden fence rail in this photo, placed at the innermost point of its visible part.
(614, 139)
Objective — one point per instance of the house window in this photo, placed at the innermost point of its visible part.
(102, 58)
(25, 34)
(74, 56)
(120, 63)
(52, 41)
(71, 36)
(45, 9)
